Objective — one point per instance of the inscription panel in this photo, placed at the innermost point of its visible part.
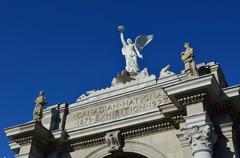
(119, 108)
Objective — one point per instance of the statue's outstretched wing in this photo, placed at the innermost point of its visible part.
(142, 40)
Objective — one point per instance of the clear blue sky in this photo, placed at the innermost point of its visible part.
(69, 47)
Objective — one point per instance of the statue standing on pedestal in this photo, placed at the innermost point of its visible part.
(187, 57)
(40, 101)
(132, 51)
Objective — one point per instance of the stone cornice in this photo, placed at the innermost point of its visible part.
(79, 144)
(192, 99)
(206, 83)
(26, 133)
(147, 130)
(233, 91)
(227, 130)
(24, 140)
(14, 130)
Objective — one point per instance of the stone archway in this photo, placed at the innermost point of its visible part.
(132, 148)
(125, 155)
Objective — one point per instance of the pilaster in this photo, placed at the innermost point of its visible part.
(198, 132)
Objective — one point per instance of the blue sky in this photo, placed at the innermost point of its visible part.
(69, 47)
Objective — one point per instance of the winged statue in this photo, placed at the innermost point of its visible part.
(133, 51)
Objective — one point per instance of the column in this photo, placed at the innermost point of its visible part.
(198, 132)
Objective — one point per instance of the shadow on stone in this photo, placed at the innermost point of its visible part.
(222, 148)
(55, 119)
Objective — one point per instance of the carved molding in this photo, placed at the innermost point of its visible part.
(114, 140)
(131, 132)
(87, 143)
(148, 129)
(196, 98)
(200, 138)
(226, 130)
(24, 140)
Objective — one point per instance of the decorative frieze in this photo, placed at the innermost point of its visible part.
(130, 133)
(192, 99)
(200, 138)
(178, 118)
(87, 143)
(146, 130)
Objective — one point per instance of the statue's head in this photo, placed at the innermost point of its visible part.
(41, 93)
(186, 45)
(129, 41)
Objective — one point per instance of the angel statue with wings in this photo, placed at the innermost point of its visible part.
(132, 51)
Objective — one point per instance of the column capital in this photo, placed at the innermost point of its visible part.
(200, 138)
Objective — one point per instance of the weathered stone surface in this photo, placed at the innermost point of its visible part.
(132, 51)
(142, 117)
(39, 103)
(187, 57)
(121, 108)
(165, 72)
(201, 138)
(115, 141)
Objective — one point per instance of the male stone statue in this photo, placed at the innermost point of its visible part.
(187, 57)
(40, 101)
(133, 50)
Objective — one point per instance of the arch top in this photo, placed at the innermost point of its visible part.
(132, 148)
(125, 155)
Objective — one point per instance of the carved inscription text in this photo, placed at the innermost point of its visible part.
(122, 107)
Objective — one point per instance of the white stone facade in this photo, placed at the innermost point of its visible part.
(172, 117)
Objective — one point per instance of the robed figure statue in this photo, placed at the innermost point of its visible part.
(40, 101)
